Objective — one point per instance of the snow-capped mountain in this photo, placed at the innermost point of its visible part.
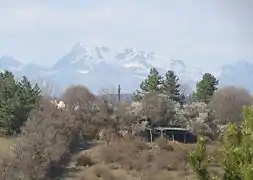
(81, 59)
(102, 67)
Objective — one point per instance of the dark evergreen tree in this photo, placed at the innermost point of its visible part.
(17, 99)
(206, 88)
(171, 87)
(151, 84)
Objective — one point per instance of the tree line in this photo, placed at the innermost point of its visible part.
(170, 86)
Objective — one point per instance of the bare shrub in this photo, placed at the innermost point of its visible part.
(44, 141)
(137, 155)
(114, 117)
(109, 98)
(95, 113)
(228, 102)
(163, 144)
(8, 168)
(80, 97)
(84, 160)
(124, 117)
(124, 152)
(82, 104)
(100, 172)
(158, 109)
(104, 173)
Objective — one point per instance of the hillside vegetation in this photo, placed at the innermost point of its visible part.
(82, 136)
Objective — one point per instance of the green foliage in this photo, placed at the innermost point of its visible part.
(151, 84)
(231, 141)
(238, 149)
(237, 152)
(16, 101)
(206, 88)
(199, 160)
(171, 87)
(246, 145)
(137, 96)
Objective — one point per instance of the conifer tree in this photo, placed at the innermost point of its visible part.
(17, 99)
(171, 87)
(237, 152)
(206, 88)
(151, 84)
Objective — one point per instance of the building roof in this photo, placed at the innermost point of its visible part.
(170, 128)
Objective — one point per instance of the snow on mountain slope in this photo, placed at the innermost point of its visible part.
(81, 59)
(138, 61)
(101, 67)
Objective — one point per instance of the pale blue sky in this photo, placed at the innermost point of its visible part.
(200, 32)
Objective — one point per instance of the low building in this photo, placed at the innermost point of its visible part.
(171, 133)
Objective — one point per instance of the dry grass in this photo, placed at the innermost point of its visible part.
(84, 160)
(133, 159)
(137, 156)
(6, 145)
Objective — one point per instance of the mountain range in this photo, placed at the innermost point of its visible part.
(102, 68)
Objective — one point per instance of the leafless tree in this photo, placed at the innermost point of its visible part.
(79, 96)
(84, 105)
(45, 139)
(228, 103)
(157, 108)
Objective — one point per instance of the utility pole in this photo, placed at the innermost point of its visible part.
(119, 89)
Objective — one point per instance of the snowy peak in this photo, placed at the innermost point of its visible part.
(101, 67)
(131, 55)
(81, 58)
(84, 60)
(97, 52)
(135, 60)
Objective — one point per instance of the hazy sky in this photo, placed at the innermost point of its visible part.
(202, 33)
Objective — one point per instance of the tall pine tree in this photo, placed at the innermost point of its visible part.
(206, 88)
(171, 87)
(151, 84)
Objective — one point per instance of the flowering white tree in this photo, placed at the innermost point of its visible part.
(200, 119)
